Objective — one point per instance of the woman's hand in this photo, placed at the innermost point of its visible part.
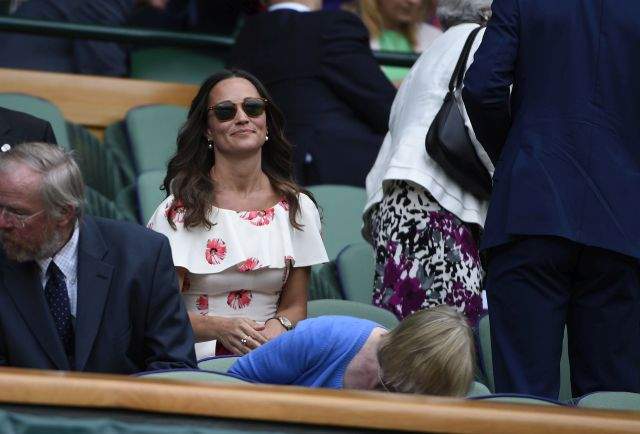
(273, 328)
(240, 335)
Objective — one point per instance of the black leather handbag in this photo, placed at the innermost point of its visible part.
(448, 142)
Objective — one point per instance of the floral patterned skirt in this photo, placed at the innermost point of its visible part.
(425, 255)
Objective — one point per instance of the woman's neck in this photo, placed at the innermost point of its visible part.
(242, 177)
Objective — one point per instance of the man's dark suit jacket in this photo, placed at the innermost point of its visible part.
(83, 56)
(129, 318)
(17, 127)
(567, 143)
(319, 70)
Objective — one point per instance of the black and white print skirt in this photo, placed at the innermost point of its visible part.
(425, 255)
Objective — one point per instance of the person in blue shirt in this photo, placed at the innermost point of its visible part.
(430, 352)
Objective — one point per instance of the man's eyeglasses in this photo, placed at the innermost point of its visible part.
(226, 110)
(15, 219)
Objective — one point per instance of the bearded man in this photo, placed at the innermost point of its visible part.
(76, 292)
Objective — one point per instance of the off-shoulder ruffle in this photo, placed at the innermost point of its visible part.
(247, 240)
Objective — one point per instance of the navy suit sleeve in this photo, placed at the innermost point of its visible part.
(49, 136)
(486, 84)
(169, 342)
(350, 69)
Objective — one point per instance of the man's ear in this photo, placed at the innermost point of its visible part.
(68, 214)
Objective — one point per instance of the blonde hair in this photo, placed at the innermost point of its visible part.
(372, 18)
(430, 352)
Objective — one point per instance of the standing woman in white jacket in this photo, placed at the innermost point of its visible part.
(425, 227)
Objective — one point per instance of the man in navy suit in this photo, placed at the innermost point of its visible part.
(78, 293)
(320, 71)
(562, 232)
(17, 127)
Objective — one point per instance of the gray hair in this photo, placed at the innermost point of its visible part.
(453, 12)
(62, 185)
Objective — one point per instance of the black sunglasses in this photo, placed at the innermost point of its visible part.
(226, 110)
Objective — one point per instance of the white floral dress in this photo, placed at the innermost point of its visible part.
(239, 266)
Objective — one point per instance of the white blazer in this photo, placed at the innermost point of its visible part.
(403, 155)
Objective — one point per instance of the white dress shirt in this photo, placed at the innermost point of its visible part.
(67, 261)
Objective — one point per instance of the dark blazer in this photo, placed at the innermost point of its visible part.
(83, 56)
(319, 70)
(567, 142)
(17, 127)
(129, 318)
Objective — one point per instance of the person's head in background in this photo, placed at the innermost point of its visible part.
(402, 16)
(41, 199)
(431, 352)
(454, 12)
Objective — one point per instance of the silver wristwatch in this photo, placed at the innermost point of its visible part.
(286, 323)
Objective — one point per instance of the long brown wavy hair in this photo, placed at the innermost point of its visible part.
(188, 171)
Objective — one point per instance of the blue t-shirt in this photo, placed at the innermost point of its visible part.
(316, 353)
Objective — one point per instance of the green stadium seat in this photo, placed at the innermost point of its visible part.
(324, 282)
(341, 210)
(149, 193)
(152, 132)
(316, 308)
(611, 401)
(217, 364)
(174, 65)
(41, 108)
(115, 138)
(99, 206)
(478, 389)
(518, 399)
(487, 361)
(100, 168)
(355, 266)
(191, 375)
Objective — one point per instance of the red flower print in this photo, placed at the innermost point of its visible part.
(175, 211)
(202, 304)
(239, 299)
(216, 251)
(258, 218)
(284, 204)
(248, 264)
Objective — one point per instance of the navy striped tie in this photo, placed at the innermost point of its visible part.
(57, 297)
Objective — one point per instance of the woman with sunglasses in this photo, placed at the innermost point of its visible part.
(242, 232)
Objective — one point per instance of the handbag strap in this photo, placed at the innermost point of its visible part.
(461, 66)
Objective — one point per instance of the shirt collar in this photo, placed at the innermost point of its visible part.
(289, 5)
(67, 257)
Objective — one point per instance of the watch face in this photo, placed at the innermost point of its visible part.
(285, 322)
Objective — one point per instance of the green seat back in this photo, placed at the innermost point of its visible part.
(355, 266)
(115, 138)
(174, 65)
(40, 108)
(341, 210)
(519, 400)
(217, 364)
(316, 308)
(611, 401)
(324, 282)
(100, 168)
(99, 206)
(149, 193)
(487, 361)
(193, 375)
(478, 389)
(153, 131)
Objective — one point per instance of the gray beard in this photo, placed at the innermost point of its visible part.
(48, 249)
